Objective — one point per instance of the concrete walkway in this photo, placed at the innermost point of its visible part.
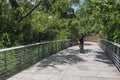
(70, 64)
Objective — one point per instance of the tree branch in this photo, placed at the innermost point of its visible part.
(30, 11)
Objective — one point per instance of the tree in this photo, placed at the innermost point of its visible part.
(99, 17)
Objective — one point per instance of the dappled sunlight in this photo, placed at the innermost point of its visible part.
(35, 36)
(71, 62)
(65, 57)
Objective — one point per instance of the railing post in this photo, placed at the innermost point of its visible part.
(30, 58)
(43, 51)
(60, 45)
(55, 46)
(46, 51)
(5, 63)
(21, 60)
(118, 53)
(52, 52)
(38, 58)
(40, 52)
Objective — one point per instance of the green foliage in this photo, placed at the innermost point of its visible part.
(100, 17)
(61, 35)
(49, 21)
(56, 19)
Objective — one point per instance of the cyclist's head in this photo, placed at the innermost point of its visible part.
(81, 33)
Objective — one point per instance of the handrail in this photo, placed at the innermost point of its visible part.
(35, 44)
(116, 44)
(15, 59)
(113, 51)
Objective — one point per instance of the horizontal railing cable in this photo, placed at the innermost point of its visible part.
(15, 59)
(113, 51)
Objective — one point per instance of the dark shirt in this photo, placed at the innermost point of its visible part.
(81, 39)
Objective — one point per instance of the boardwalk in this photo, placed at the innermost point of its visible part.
(70, 64)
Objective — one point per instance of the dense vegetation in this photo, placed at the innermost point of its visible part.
(30, 21)
(101, 17)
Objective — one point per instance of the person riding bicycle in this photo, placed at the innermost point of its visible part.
(81, 40)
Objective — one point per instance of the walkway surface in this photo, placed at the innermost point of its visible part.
(70, 64)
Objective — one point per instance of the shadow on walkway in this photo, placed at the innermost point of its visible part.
(68, 56)
(102, 57)
(70, 64)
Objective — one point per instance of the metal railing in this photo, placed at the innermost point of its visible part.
(15, 59)
(113, 51)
